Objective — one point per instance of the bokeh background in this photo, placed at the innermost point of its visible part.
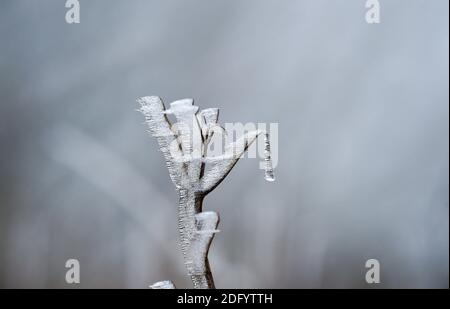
(363, 113)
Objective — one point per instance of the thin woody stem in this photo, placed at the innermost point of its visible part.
(185, 146)
(196, 230)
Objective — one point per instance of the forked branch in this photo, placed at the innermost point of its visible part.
(184, 146)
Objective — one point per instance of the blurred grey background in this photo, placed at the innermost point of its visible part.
(363, 141)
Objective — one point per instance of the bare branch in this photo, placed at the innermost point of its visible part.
(184, 146)
(222, 165)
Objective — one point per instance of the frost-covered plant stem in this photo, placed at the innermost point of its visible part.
(184, 146)
(196, 230)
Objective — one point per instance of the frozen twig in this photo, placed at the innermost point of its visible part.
(166, 285)
(184, 146)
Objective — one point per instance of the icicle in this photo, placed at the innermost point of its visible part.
(267, 159)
